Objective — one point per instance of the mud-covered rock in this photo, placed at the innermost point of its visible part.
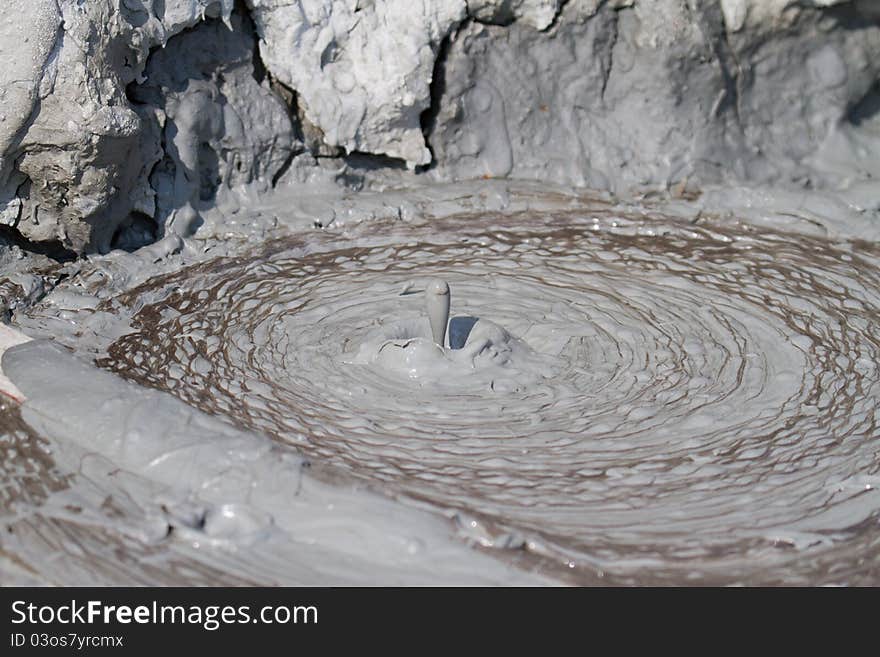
(119, 118)
(654, 93)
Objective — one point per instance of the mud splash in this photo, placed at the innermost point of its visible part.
(710, 417)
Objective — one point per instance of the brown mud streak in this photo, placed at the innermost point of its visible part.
(29, 473)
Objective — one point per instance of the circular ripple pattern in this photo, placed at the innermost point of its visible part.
(709, 411)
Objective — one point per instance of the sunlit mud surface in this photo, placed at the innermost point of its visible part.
(701, 405)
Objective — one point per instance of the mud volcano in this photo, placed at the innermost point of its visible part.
(228, 235)
(699, 402)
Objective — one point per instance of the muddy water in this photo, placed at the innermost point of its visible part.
(703, 408)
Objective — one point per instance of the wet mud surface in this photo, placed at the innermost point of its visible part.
(704, 408)
(29, 473)
(51, 537)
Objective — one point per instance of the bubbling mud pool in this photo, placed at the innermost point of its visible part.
(699, 402)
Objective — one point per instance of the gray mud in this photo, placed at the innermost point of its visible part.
(659, 221)
(708, 413)
(151, 491)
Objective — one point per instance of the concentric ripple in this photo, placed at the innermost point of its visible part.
(710, 411)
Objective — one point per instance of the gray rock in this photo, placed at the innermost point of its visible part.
(211, 122)
(120, 120)
(653, 94)
(75, 160)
